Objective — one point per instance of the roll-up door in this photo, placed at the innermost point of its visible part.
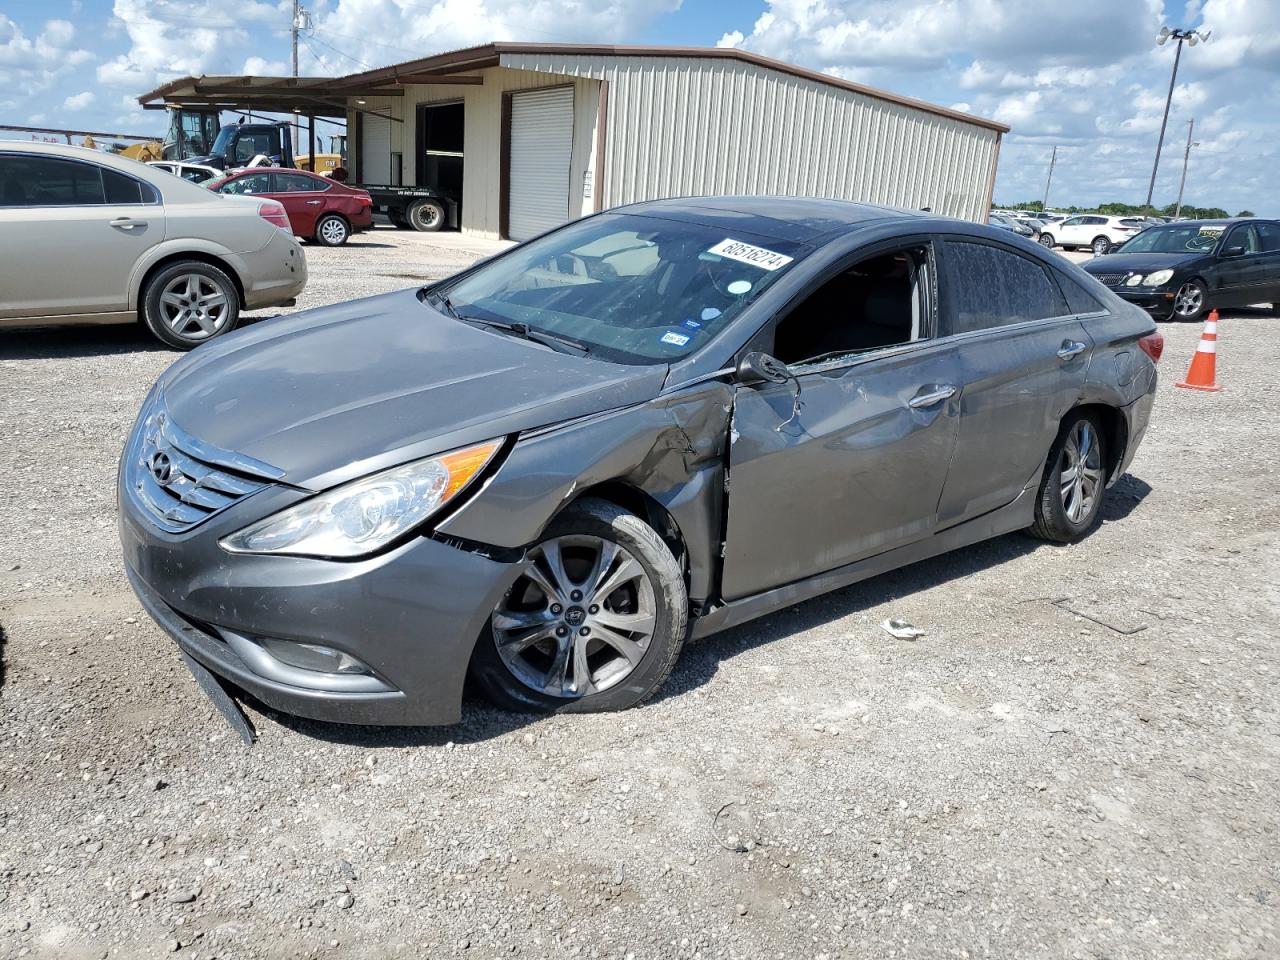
(375, 150)
(541, 147)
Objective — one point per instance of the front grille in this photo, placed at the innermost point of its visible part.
(182, 481)
(1112, 279)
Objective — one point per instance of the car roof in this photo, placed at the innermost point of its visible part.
(799, 219)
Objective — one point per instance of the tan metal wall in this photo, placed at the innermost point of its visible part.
(679, 126)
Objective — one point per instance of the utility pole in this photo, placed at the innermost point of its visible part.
(1044, 207)
(293, 35)
(1192, 37)
(1186, 157)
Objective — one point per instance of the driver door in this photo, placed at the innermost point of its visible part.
(860, 468)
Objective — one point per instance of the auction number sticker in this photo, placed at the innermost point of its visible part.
(746, 253)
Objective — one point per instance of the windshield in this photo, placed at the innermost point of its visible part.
(630, 288)
(224, 138)
(1176, 239)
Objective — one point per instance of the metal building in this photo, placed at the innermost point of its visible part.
(530, 135)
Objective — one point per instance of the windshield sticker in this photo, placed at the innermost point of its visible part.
(739, 287)
(746, 253)
(709, 314)
(691, 324)
(1214, 230)
(675, 339)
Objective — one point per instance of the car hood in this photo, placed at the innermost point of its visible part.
(1139, 262)
(335, 393)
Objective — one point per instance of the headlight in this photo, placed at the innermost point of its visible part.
(360, 517)
(1134, 281)
(1159, 278)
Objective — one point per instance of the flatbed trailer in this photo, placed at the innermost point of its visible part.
(416, 208)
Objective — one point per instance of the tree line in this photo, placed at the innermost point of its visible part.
(1134, 210)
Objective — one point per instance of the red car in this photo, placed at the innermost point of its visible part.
(319, 209)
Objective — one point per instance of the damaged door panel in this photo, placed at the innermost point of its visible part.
(858, 472)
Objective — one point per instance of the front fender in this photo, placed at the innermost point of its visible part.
(671, 448)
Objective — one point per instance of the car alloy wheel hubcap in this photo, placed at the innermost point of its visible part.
(1081, 474)
(333, 231)
(1188, 301)
(193, 306)
(578, 619)
(1099, 247)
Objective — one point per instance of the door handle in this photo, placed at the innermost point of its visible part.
(1070, 348)
(127, 223)
(944, 392)
(314, 203)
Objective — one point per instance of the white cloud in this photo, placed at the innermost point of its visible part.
(79, 101)
(30, 66)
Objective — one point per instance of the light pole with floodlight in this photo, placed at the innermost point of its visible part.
(1192, 37)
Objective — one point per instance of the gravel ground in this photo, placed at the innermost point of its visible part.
(1023, 781)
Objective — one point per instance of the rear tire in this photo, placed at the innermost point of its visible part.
(396, 216)
(332, 230)
(426, 216)
(1101, 246)
(1046, 240)
(188, 303)
(641, 607)
(1074, 484)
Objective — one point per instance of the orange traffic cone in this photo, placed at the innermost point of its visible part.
(1204, 361)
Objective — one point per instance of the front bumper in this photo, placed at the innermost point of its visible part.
(1158, 303)
(412, 615)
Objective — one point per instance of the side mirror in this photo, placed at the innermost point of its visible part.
(757, 367)
(1236, 251)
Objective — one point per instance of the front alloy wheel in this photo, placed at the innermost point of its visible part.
(1188, 304)
(593, 620)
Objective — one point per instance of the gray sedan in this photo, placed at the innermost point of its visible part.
(552, 469)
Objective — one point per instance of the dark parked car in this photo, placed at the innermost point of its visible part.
(319, 208)
(1018, 225)
(647, 425)
(1180, 270)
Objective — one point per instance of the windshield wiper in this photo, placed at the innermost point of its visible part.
(524, 331)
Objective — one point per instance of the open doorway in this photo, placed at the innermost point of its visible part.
(440, 137)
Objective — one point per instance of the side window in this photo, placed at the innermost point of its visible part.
(298, 183)
(1072, 221)
(991, 287)
(250, 183)
(122, 189)
(878, 302)
(1269, 235)
(1243, 236)
(1079, 300)
(35, 181)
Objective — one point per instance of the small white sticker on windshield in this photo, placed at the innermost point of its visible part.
(676, 339)
(1212, 229)
(739, 287)
(746, 253)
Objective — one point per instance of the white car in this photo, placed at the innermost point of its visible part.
(91, 237)
(1092, 230)
(194, 172)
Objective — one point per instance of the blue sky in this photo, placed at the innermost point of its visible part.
(1083, 75)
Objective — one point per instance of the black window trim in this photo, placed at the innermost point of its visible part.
(145, 188)
(945, 305)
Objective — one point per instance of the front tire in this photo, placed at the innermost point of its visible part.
(332, 231)
(190, 302)
(1190, 301)
(426, 216)
(593, 622)
(1074, 484)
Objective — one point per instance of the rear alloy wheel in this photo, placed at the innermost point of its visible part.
(332, 231)
(190, 302)
(1100, 246)
(1074, 482)
(1188, 303)
(425, 215)
(594, 620)
(1046, 240)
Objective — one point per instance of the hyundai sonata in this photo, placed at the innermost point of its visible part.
(647, 425)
